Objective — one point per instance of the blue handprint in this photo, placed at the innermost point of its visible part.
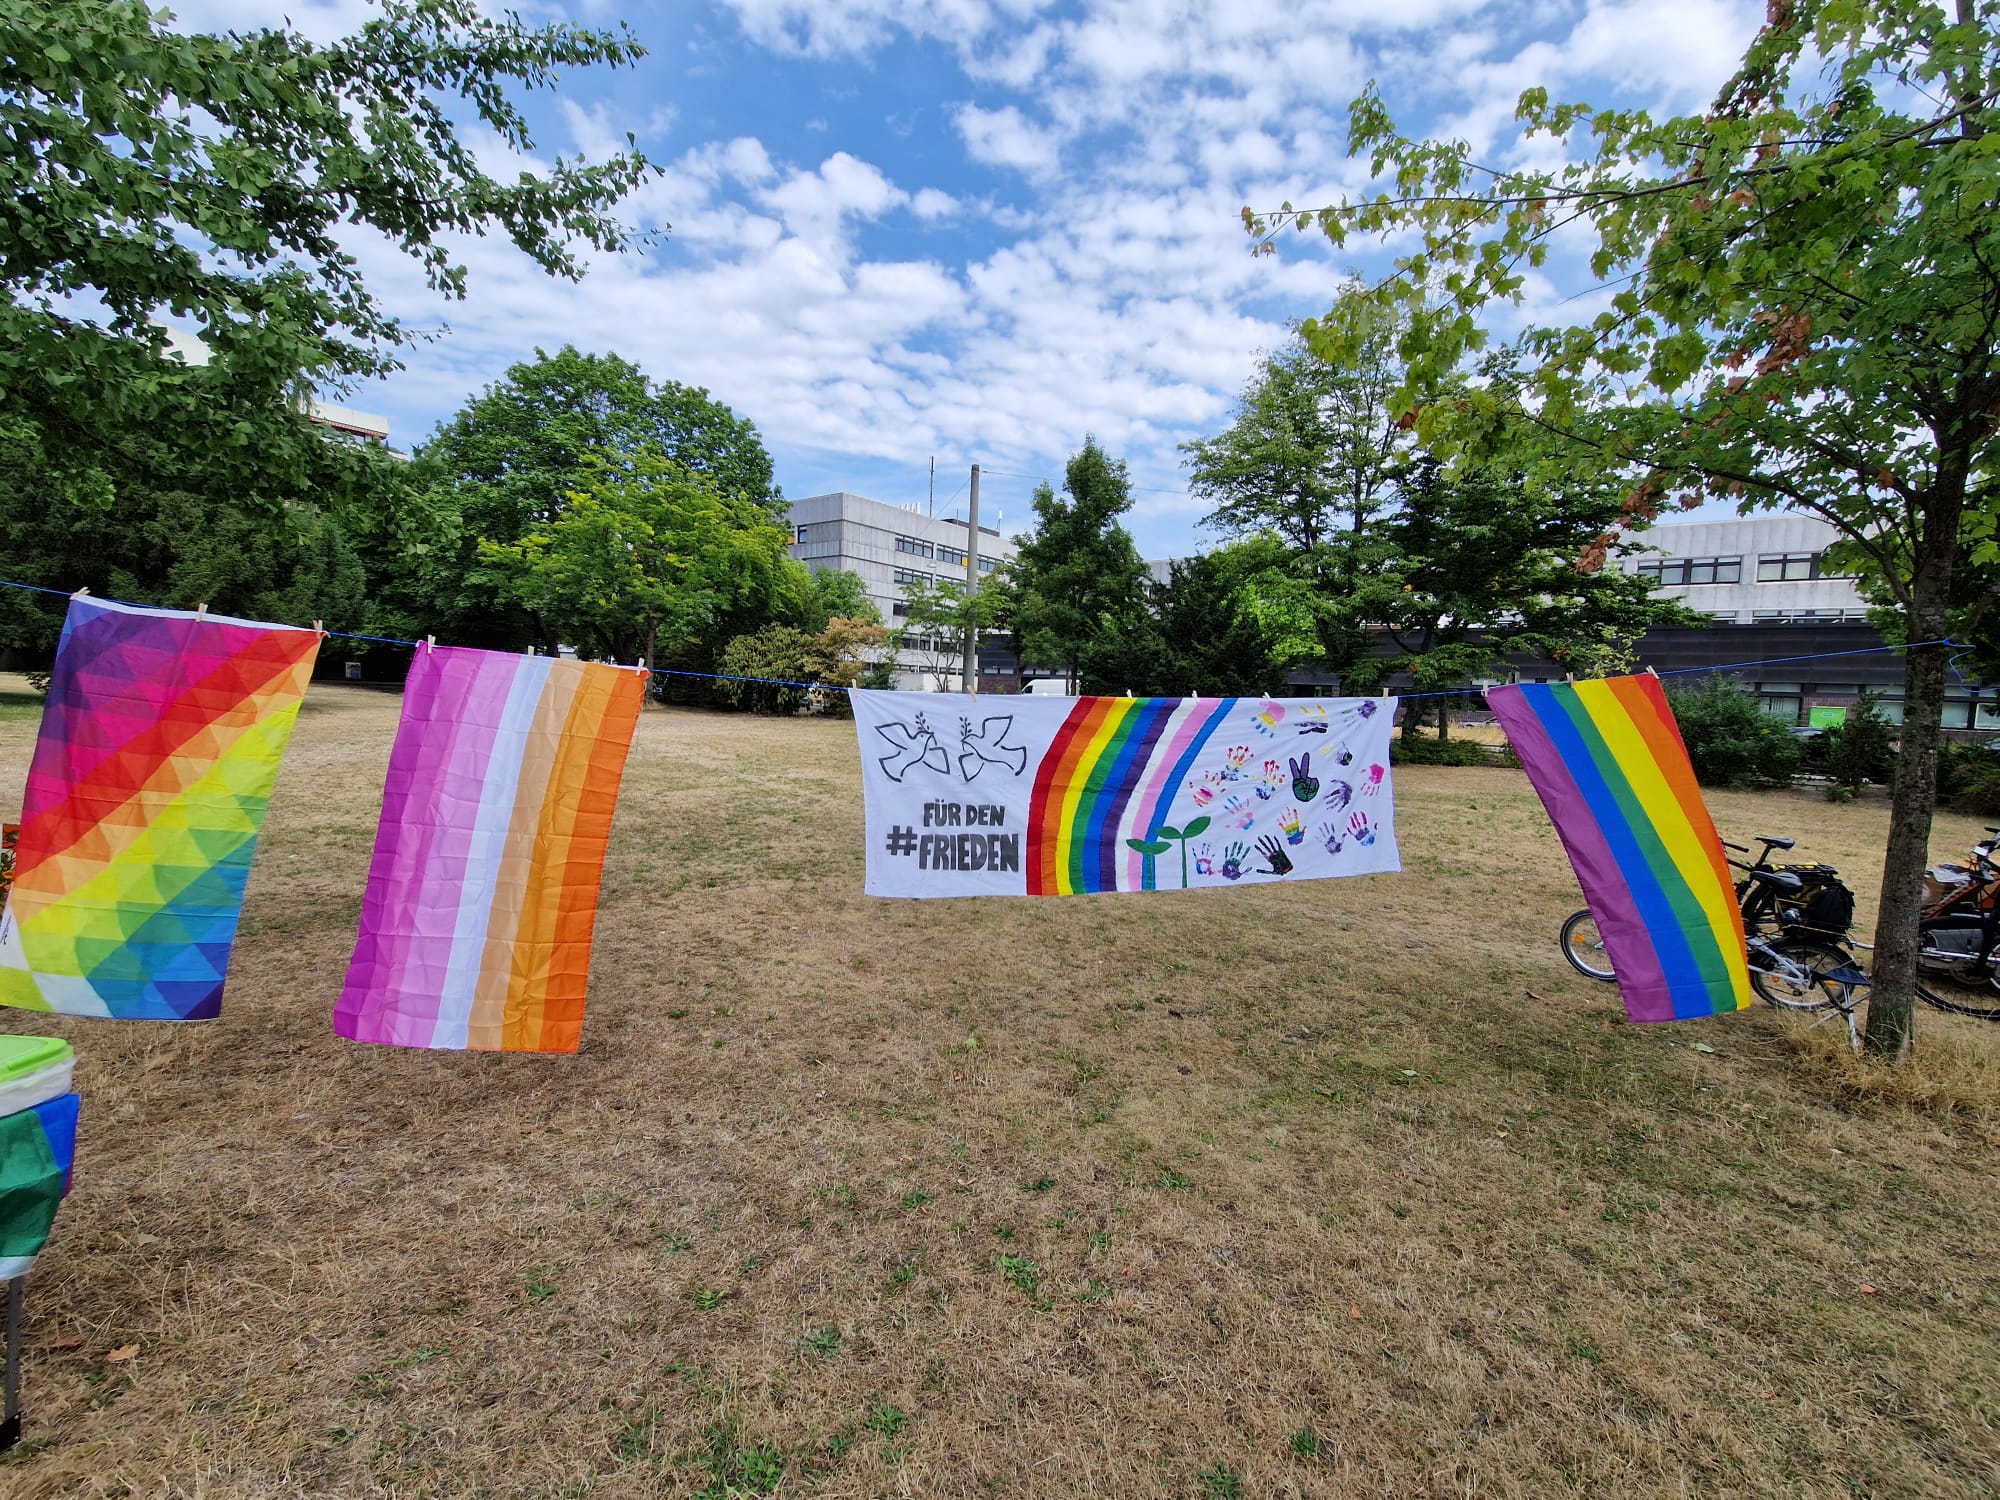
(1204, 859)
(1232, 862)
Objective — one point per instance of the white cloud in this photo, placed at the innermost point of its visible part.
(1005, 138)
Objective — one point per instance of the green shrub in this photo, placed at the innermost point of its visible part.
(1863, 748)
(1731, 741)
(1969, 779)
(1426, 751)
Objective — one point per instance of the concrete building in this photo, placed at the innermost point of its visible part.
(341, 422)
(1752, 570)
(893, 547)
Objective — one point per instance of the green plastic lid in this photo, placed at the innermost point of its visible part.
(22, 1055)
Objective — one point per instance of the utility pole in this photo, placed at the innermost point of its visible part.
(931, 509)
(972, 584)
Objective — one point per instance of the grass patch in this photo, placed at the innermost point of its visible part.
(1954, 1072)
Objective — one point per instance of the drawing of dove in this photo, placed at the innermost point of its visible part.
(912, 747)
(989, 747)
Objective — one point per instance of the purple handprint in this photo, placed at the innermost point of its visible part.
(1342, 756)
(1232, 862)
(1274, 853)
(1204, 859)
(1372, 782)
(1361, 828)
(1333, 836)
(1338, 794)
(1367, 709)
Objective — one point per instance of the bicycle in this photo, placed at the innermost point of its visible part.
(1958, 933)
(1785, 946)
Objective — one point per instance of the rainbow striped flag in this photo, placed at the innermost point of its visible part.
(1035, 796)
(159, 748)
(1607, 760)
(481, 901)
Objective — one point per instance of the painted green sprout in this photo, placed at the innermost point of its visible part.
(1163, 840)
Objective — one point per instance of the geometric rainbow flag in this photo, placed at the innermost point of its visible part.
(159, 747)
(1608, 762)
(482, 894)
(38, 1117)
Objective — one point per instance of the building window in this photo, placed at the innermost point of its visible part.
(950, 555)
(801, 535)
(1679, 570)
(910, 577)
(1787, 567)
(988, 564)
(912, 546)
(900, 610)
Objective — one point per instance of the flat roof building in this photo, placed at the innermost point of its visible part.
(892, 548)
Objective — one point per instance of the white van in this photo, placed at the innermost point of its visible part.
(1047, 687)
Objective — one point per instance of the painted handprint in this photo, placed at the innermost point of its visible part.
(1338, 794)
(1290, 824)
(1372, 782)
(1305, 786)
(1235, 810)
(1361, 828)
(1274, 852)
(1232, 862)
(1272, 779)
(1204, 789)
(1312, 719)
(1268, 718)
(1342, 756)
(1204, 859)
(1333, 836)
(1233, 768)
(1367, 708)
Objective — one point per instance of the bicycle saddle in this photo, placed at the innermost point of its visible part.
(1765, 838)
(1781, 880)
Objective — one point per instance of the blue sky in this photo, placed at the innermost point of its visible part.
(979, 229)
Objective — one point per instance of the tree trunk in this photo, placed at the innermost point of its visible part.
(1444, 720)
(652, 653)
(1913, 793)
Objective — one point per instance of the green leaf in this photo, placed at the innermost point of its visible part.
(1195, 825)
(1145, 848)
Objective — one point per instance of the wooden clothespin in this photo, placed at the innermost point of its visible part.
(430, 643)
(1570, 678)
(82, 593)
(201, 610)
(319, 630)
(642, 666)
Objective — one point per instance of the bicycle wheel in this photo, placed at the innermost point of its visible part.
(1584, 948)
(1962, 997)
(1804, 975)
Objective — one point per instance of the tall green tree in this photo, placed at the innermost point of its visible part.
(1803, 288)
(937, 617)
(150, 172)
(1310, 460)
(1473, 566)
(1199, 634)
(1077, 574)
(508, 462)
(645, 559)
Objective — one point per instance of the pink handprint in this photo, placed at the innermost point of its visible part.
(1372, 782)
(1239, 812)
(1361, 828)
(1268, 718)
(1204, 859)
(1293, 829)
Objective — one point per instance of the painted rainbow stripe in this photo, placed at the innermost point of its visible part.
(1607, 760)
(158, 752)
(1110, 775)
(482, 897)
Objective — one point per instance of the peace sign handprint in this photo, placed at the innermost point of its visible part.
(1232, 862)
(1274, 852)
(1305, 786)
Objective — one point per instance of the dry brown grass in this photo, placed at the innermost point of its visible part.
(1355, 1157)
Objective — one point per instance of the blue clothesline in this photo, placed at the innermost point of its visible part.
(1732, 666)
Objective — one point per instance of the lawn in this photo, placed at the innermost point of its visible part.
(1343, 1188)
